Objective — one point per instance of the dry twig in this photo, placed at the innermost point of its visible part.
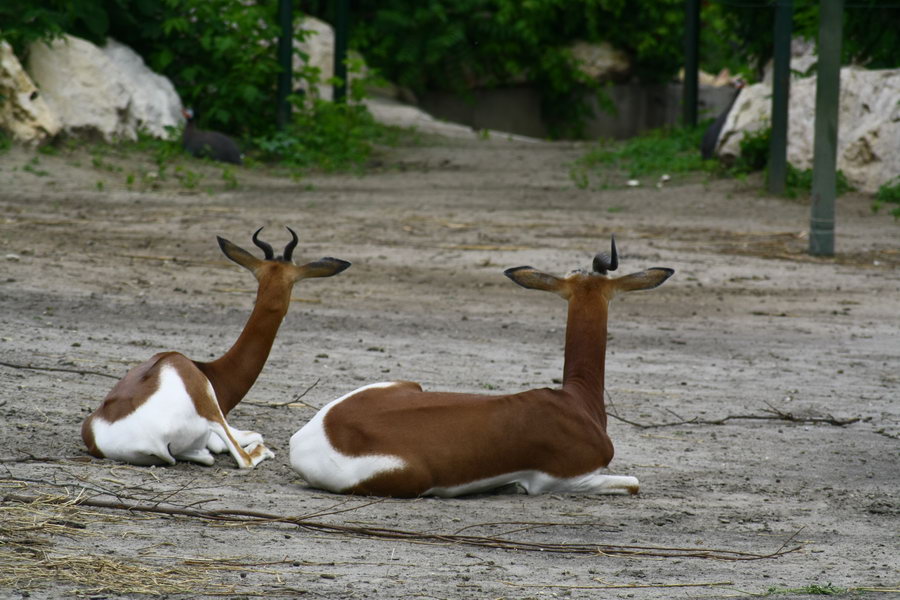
(245, 518)
(60, 369)
(772, 414)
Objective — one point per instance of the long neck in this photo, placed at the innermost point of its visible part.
(585, 354)
(236, 371)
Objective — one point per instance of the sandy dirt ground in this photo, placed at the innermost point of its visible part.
(755, 394)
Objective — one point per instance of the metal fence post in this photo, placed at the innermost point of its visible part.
(285, 61)
(691, 61)
(341, 32)
(781, 90)
(828, 89)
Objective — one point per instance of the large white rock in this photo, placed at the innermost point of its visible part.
(108, 92)
(868, 124)
(23, 111)
(154, 104)
(318, 45)
(601, 62)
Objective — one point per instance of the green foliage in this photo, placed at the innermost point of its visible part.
(798, 182)
(889, 193)
(330, 136)
(815, 589)
(460, 45)
(754, 152)
(658, 152)
(745, 30)
(755, 157)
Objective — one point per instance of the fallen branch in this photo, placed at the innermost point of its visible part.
(245, 518)
(61, 369)
(294, 400)
(47, 459)
(772, 414)
(612, 586)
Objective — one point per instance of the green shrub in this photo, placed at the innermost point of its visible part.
(889, 193)
(460, 45)
(657, 152)
(754, 152)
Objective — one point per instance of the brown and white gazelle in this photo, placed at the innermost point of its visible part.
(173, 408)
(393, 439)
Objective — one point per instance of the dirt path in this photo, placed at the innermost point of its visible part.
(95, 277)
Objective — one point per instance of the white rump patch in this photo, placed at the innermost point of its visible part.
(322, 466)
(165, 427)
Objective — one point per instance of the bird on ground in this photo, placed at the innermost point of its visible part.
(209, 144)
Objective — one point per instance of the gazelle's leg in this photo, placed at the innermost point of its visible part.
(215, 444)
(603, 483)
(246, 459)
(245, 437)
(198, 455)
(594, 482)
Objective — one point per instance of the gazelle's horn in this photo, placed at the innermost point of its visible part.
(266, 248)
(604, 262)
(289, 249)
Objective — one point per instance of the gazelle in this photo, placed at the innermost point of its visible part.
(173, 408)
(394, 439)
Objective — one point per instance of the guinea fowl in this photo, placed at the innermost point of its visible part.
(211, 144)
(711, 135)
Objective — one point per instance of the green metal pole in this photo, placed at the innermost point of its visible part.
(341, 31)
(828, 88)
(781, 91)
(285, 61)
(691, 61)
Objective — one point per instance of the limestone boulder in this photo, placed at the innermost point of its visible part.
(317, 43)
(23, 111)
(106, 92)
(601, 62)
(154, 105)
(868, 124)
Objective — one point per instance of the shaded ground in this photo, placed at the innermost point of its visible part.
(97, 275)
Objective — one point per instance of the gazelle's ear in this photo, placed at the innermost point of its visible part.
(531, 278)
(324, 267)
(643, 280)
(239, 255)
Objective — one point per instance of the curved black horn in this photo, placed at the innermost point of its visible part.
(289, 249)
(266, 248)
(604, 262)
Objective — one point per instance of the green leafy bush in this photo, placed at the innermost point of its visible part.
(657, 152)
(459, 45)
(754, 152)
(745, 30)
(221, 57)
(888, 193)
(330, 136)
(755, 157)
(798, 182)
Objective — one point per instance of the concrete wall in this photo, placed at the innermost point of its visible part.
(639, 107)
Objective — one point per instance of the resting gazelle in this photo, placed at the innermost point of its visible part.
(173, 408)
(394, 439)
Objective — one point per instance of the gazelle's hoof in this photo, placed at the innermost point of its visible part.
(258, 453)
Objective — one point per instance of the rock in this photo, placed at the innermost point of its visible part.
(107, 92)
(154, 105)
(868, 124)
(803, 60)
(318, 45)
(23, 111)
(601, 62)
